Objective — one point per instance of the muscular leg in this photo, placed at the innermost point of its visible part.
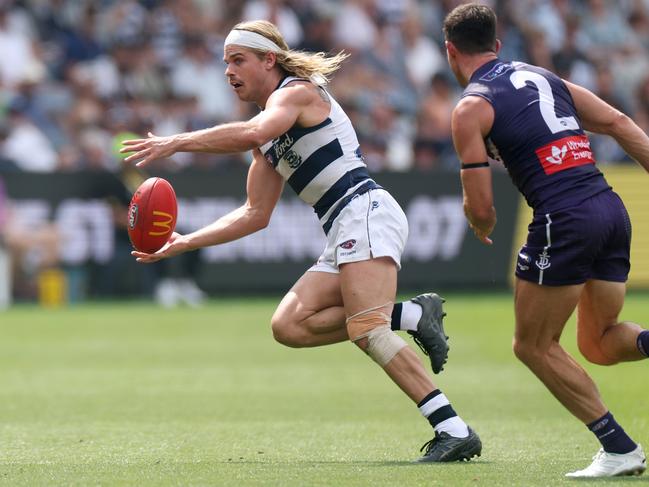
(372, 283)
(541, 314)
(311, 314)
(601, 339)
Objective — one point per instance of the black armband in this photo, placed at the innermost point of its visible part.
(474, 165)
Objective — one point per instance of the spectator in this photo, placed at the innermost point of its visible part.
(278, 12)
(198, 74)
(318, 29)
(28, 249)
(570, 61)
(423, 57)
(604, 32)
(19, 58)
(22, 134)
(121, 22)
(605, 148)
(355, 28)
(434, 145)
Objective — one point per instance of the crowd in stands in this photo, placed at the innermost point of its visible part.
(78, 76)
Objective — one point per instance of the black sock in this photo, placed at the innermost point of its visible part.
(611, 435)
(643, 342)
(396, 317)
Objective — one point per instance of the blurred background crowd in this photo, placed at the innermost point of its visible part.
(77, 76)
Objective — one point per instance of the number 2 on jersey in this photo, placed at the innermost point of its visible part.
(546, 101)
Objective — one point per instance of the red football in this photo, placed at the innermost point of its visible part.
(152, 215)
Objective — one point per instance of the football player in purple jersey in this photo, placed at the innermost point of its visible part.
(577, 250)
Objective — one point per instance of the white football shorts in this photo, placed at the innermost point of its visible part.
(372, 225)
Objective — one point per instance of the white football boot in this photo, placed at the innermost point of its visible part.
(612, 464)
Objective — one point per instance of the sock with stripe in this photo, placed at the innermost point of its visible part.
(643, 342)
(437, 409)
(406, 315)
(611, 435)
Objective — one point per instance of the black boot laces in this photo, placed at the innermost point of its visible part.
(416, 339)
(429, 445)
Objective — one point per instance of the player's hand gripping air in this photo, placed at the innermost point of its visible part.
(148, 149)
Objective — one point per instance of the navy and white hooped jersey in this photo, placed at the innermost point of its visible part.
(537, 134)
(323, 163)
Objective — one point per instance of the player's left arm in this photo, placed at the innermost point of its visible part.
(263, 187)
(598, 116)
(281, 112)
(471, 122)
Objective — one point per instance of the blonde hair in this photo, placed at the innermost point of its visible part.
(317, 66)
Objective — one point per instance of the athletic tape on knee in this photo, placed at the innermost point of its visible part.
(383, 344)
(359, 324)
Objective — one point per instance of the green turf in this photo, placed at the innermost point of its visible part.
(130, 394)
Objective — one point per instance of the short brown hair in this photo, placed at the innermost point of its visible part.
(471, 28)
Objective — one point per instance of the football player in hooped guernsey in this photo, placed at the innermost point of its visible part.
(303, 137)
(577, 250)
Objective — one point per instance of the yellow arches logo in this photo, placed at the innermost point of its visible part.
(166, 224)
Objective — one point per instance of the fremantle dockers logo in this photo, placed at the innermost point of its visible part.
(132, 216)
(544, 261)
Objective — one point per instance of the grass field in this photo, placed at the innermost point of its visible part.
(130, 394)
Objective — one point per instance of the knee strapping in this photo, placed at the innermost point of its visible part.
(382, 343)
(361, 323)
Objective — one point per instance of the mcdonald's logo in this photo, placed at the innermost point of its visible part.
(166, 224)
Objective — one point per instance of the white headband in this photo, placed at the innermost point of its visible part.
(250, 39)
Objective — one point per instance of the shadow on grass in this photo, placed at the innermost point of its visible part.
(355, 463)
(628, 478)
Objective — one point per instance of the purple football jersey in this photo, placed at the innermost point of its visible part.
(537, 134)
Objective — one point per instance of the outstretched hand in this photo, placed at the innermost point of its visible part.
(148, 149)
(175, 246)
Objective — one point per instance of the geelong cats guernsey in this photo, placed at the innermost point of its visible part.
(323, 163)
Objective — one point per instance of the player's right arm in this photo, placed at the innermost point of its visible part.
(598, 116)
(283, 109)
(264, 187)
(471, 122)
